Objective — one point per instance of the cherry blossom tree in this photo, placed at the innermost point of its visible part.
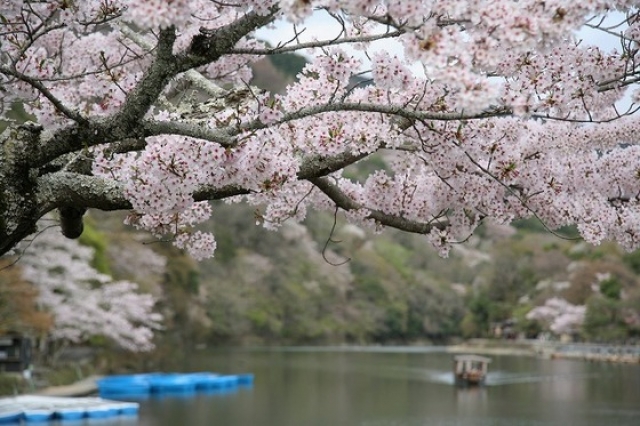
(18, 307)
(493, 109)
(559, 316)
(83, 302)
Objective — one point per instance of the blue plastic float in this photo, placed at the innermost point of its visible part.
(37, 415)
(8, 416)
(138, 386)
(35, 409)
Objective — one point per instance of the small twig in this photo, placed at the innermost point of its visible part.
(331, 240)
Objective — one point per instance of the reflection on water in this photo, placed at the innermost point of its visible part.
(398, 387)
(494, 378)
(117, 421)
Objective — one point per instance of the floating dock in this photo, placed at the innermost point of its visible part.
(32, 409)
(40, 409)
(140, 386)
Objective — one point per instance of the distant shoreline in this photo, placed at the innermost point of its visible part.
(627, 354)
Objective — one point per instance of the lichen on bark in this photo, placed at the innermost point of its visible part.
(18, 207)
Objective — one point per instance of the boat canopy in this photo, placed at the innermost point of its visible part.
(472, 358)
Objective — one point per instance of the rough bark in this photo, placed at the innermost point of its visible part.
(19, 209)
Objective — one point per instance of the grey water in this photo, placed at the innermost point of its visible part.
(398, 387)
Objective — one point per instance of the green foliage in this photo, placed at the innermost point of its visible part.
(193, 281)
(181, 273)
(603, 252)
(396, 320)
(65, 374)
(512, 274)
(289, 64)
(226, 247)
(603, 320)
(469, 326)
(181, 288)
(632, 260)
(611, 288)
(12, 384)
(265, 320)
(98, 341)
(275, 291)
(364, 168)
(96, 239)
(534, 225)
(16, 113)
(396, 255)
(569, 232)
(479, 315)
(368, 287)
(531, 224)
(530, 328)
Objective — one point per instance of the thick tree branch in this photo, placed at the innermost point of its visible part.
(210, 45)
(344, 202)
(19, 210)
(64, 189)
(316, 166)
(198, 131)
(68, 188)
(163, 68)
(125, 123)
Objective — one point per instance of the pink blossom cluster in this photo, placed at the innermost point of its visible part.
(559, 316)
(511, 116)
(84, 302)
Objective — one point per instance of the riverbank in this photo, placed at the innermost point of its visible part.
(84, 387)
(628, 354)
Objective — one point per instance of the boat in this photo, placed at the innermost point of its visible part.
(470, 370)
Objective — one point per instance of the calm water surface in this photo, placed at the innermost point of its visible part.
(400, 387)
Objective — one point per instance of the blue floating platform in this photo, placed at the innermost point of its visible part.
(173, 383)
(126, 384)
(37, 415)
(10, 416)
(245, 379)
(138, 386)
(35, 409)
(69, 413)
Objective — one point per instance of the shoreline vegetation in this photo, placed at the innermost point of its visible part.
(628, 354)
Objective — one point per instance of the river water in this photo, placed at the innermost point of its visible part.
(399, 387)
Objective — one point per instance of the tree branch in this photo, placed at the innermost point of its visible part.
(314, 44)
(344, 202)
(210, 45)
(37, 84)
(146, 92)
(396, 110)
(198, 131)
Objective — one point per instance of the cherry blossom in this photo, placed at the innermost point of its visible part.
(559, 316)
(487, 109)
(84, 302)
